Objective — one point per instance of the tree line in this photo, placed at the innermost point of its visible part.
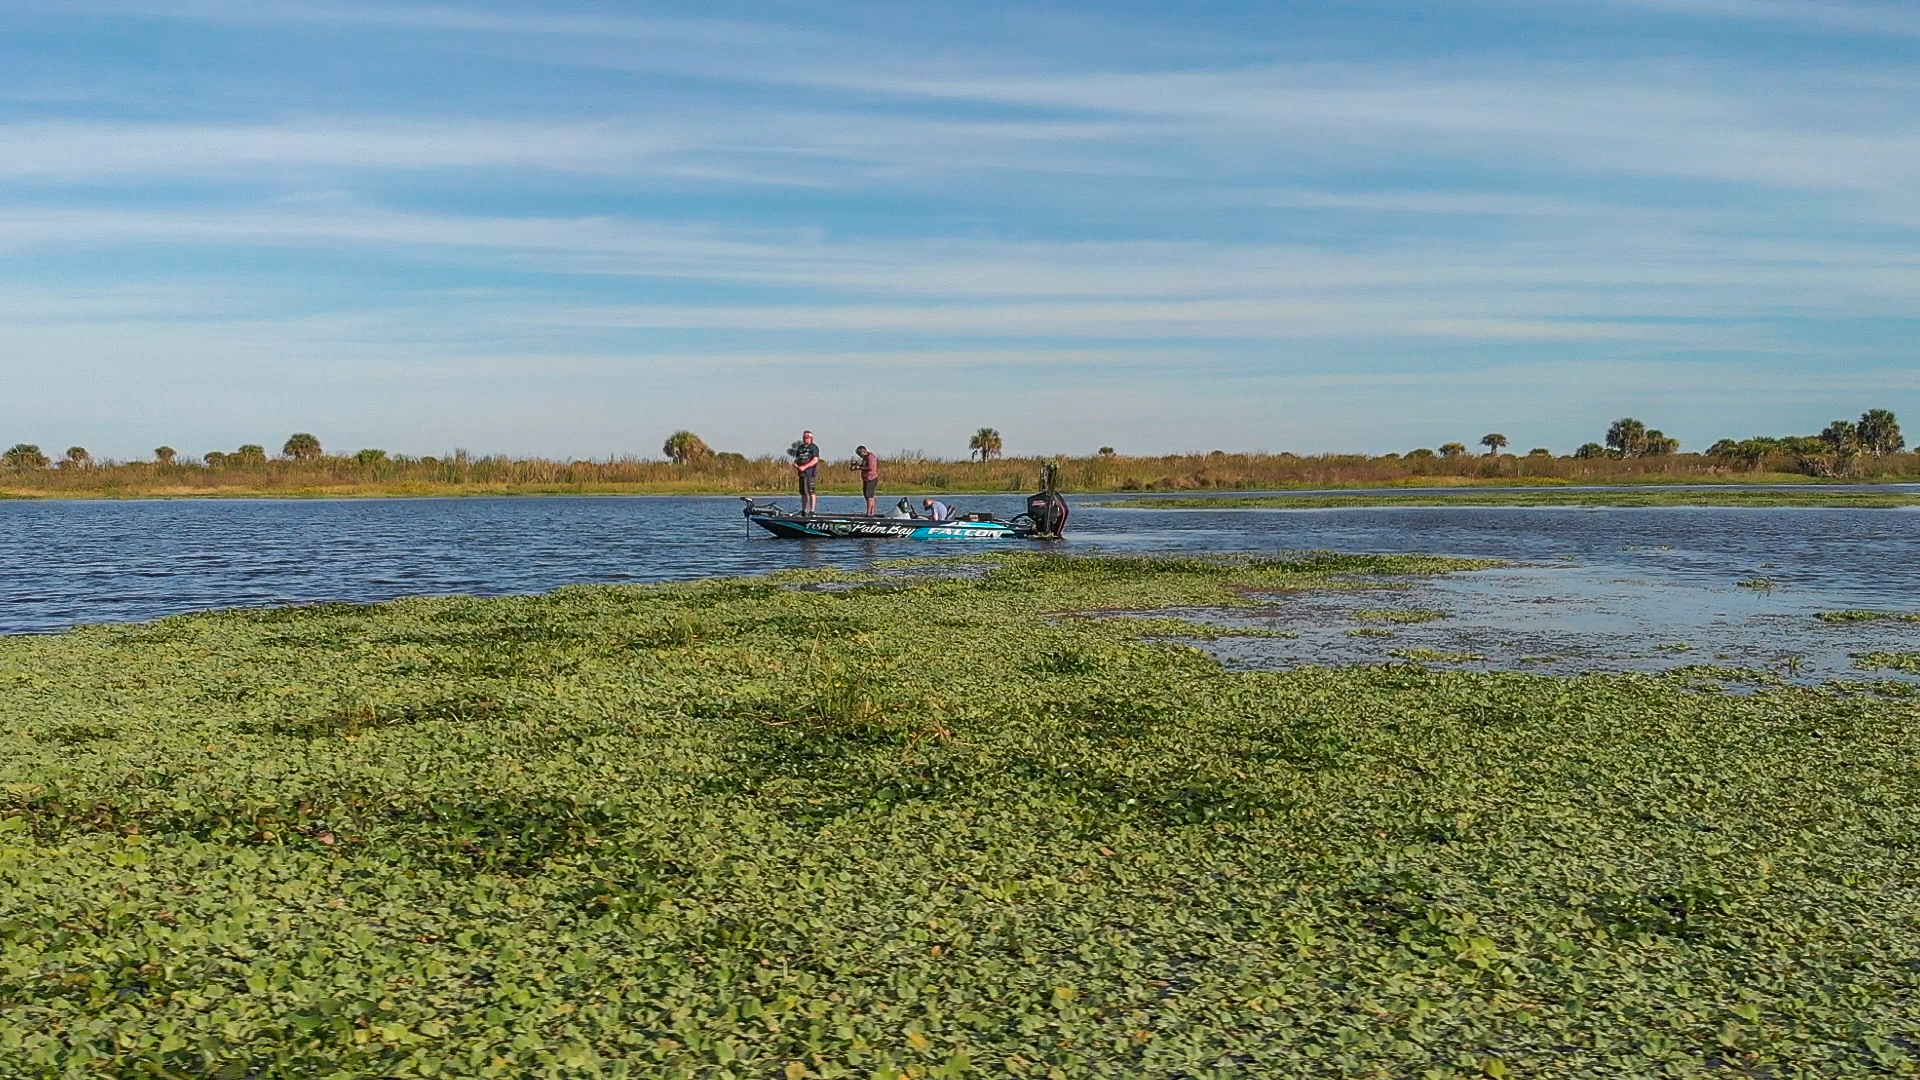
(685, 448)
(300, 446)
(1836, 450)
(1839, 449)
(1876, 433)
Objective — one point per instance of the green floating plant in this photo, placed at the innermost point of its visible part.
(930, 827)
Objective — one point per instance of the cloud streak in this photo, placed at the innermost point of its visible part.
(1899, 20)
(1214, 127)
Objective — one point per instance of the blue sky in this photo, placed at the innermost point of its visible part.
(569, 230)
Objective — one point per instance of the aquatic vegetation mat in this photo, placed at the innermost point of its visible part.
(1897, 661)
(928, 828)
(1398, 615)
(1855, 615)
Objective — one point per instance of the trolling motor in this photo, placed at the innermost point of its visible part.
(758, 510)
(754, 509)
(1047, 508)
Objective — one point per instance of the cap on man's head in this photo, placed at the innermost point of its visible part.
(806, 433)
(859, 449)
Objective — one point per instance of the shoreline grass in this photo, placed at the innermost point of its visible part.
(338, 477)
(1744, 492)
(822, 824)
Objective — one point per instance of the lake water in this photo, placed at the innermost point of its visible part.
(1594, 588)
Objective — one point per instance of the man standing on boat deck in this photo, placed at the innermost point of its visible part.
(869, 465)
(806, 463)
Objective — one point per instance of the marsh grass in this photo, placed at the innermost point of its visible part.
(460, 474)
(1726, 495)
(759, 828)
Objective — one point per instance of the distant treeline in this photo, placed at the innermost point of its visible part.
(1870, 448)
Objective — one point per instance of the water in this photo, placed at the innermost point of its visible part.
(1596, 588)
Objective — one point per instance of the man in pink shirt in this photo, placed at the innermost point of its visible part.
(869, 465)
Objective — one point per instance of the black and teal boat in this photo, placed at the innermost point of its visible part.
(1045, 519)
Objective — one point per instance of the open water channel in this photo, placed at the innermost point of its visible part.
(1639, 589)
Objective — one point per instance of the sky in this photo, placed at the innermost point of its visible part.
(569, 230)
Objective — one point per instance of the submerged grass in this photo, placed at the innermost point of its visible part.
(1436, 656)
(1642, 497)
(927, 827)
(1397, 615)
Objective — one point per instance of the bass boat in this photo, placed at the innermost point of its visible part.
(1045, 519)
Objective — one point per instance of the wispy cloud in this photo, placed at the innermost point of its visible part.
(653, 30)
(1894, 19)
(1206, 128)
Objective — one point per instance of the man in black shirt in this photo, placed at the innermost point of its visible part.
(806, 463)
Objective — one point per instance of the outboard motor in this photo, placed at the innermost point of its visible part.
(1047, 507)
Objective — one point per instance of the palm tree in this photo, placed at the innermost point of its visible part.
(1627, 437)
(1452, 449)
(77, 458)
(1106, 451)
(686, 448)
(24, 456)
(1493, 441)
(301, 447)
(1879, 432)
(1841, 437)
(248, 455)
(985, 443)
(165, 454)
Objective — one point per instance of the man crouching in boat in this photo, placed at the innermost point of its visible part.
(868, 463)
(937, 510)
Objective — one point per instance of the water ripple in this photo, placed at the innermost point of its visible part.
(64, 563)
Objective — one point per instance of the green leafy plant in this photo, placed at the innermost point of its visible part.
(923, 824)
(1908, 662)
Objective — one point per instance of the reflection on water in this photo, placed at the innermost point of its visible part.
(1597, 588)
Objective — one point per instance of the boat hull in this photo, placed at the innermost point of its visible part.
(877, 528)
